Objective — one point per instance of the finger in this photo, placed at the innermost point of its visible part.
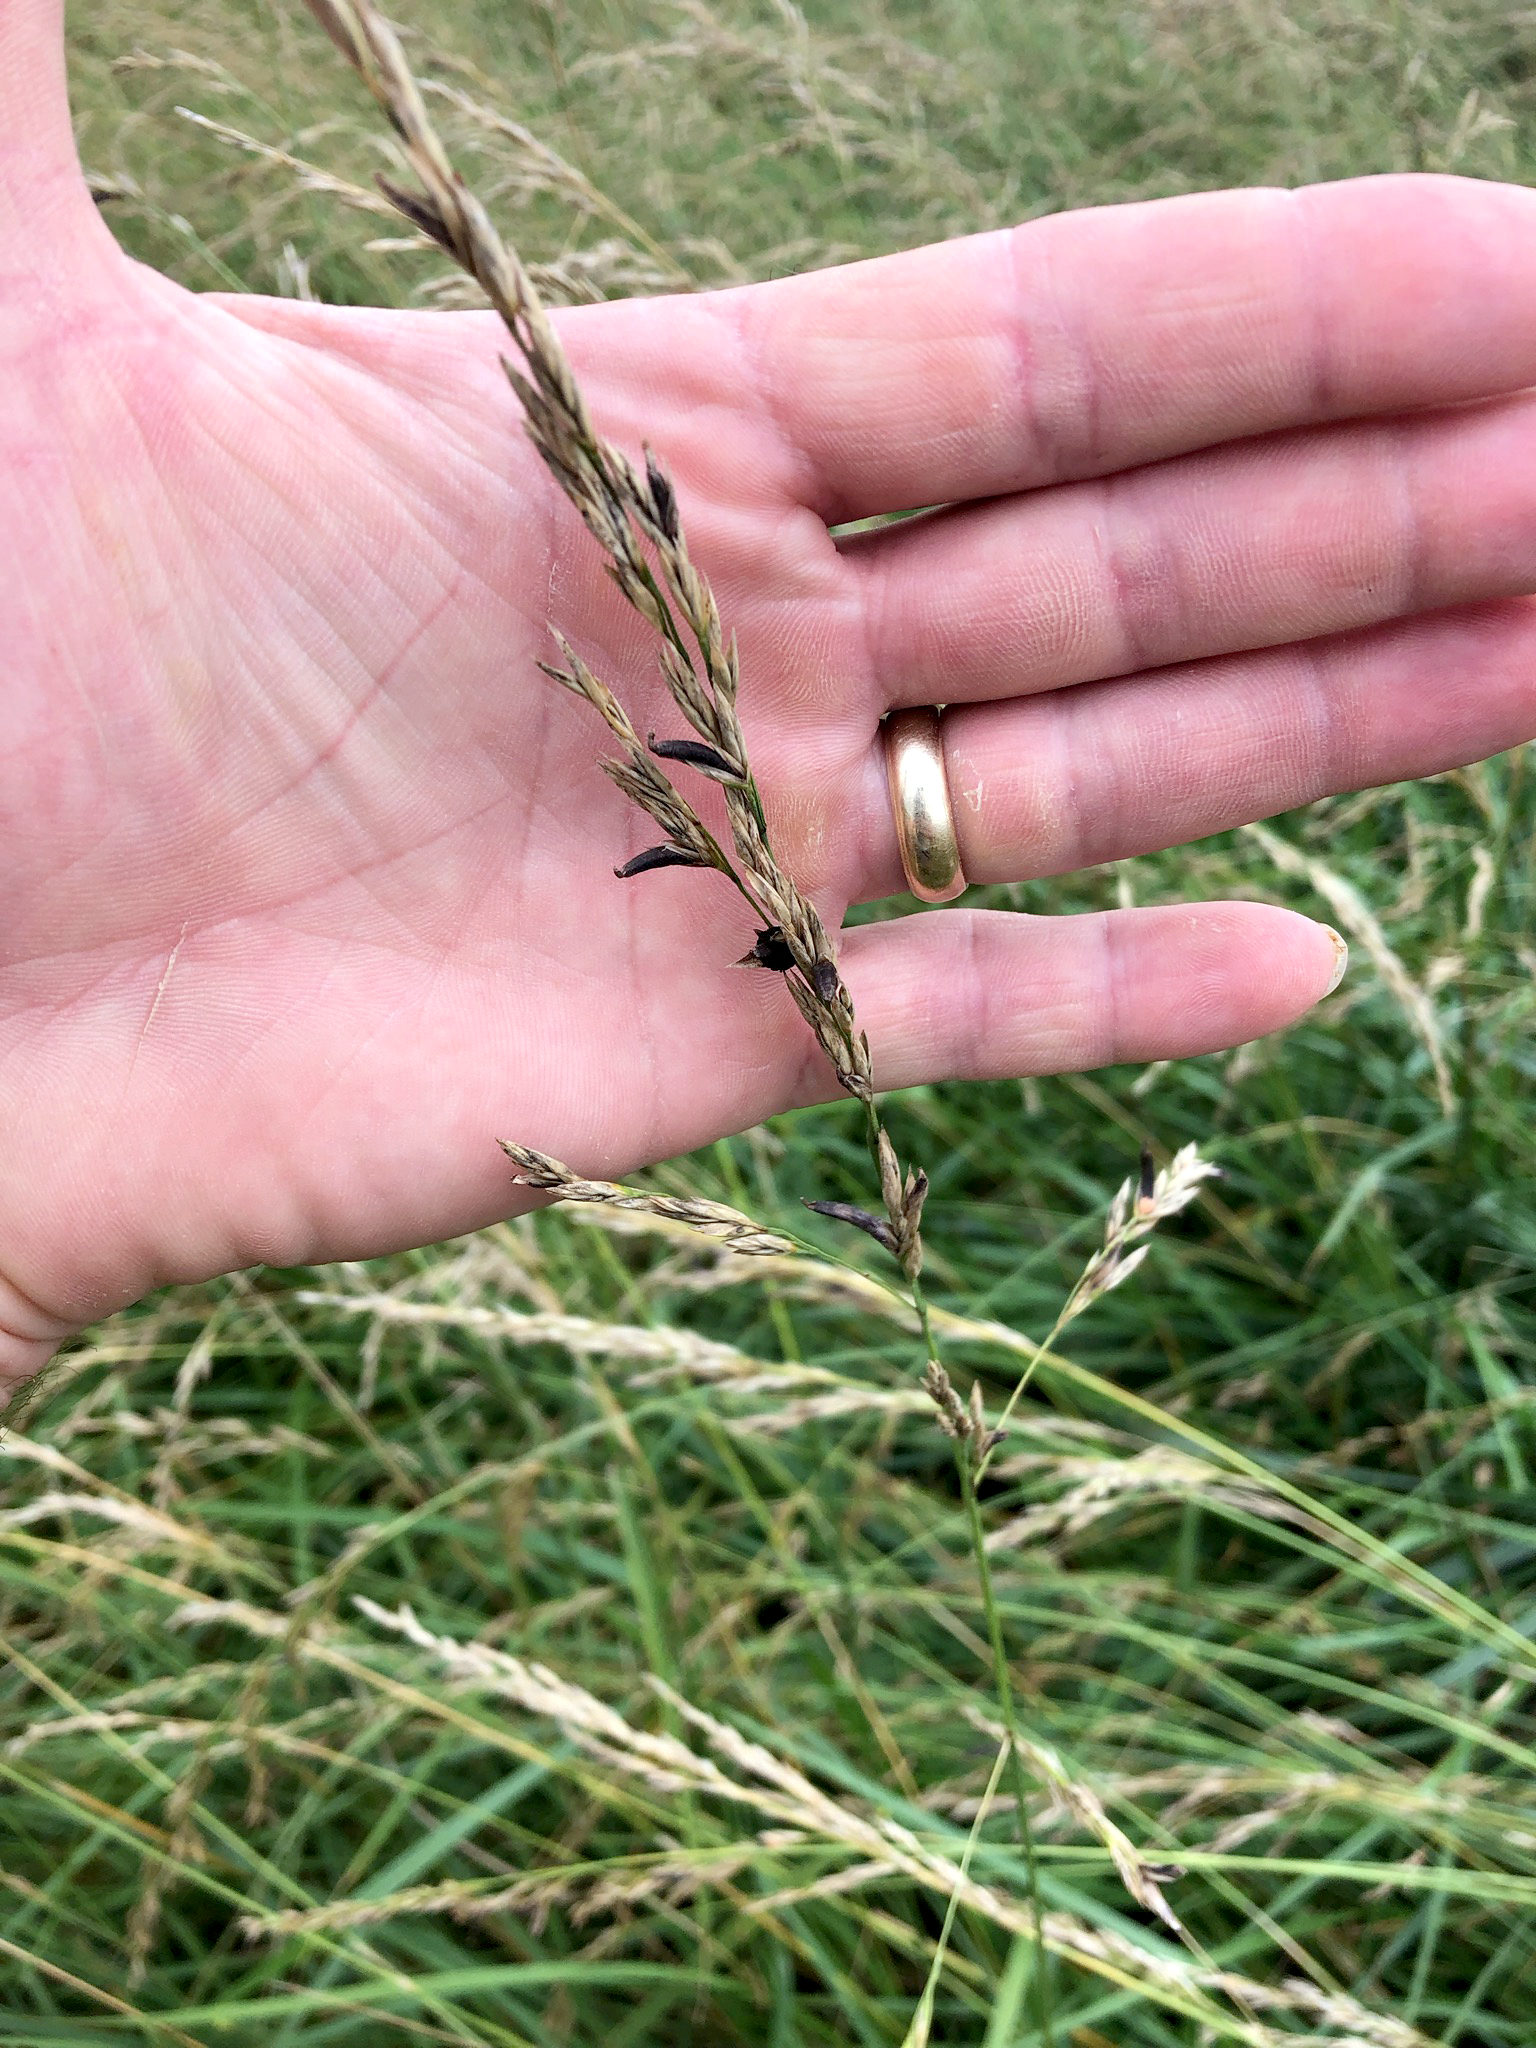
(1042, 785)
(982, 994)
(41, 192)
(1088, 342)
(29, 1336)
(1249, 545)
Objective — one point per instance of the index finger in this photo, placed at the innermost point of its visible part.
(1089, 342)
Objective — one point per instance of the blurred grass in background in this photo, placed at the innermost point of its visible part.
(606, 1452)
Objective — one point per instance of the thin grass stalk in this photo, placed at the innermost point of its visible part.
(972, 1444)
(922, 2019)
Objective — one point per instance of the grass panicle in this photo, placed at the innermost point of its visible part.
(633, 514)
(634, 517)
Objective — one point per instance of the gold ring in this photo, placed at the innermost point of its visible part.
(925, 817)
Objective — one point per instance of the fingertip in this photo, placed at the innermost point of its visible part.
(1309, 959)
(1202, 977)
(1340, 951)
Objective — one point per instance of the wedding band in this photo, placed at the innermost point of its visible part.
(924, 815)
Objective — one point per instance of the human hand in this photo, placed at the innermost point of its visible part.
(308, 872)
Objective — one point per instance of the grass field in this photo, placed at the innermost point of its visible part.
(1268, 1583)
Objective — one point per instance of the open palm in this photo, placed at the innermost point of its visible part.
(308, 887)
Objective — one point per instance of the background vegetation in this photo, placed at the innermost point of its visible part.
(241, 1806)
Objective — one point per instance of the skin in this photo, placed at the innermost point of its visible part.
(307, 873)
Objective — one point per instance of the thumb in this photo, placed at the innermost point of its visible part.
(44, 204)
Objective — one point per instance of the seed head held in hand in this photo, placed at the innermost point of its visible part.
(632, 512)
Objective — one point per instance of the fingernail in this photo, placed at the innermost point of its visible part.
(1340, 962)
